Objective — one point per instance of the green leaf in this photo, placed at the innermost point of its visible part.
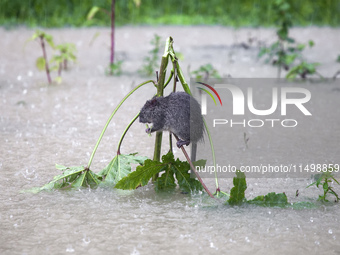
(79, 181)
(170, 166)
(200, 163)
(206, 71)
(141, 176)
(166, 181)
(34, 36)
(72, 177)
(181, 169)
(40, 63)
(300, 46)
(271, 199)
(92, 12)
(65, 179)
(49, 40)
(302, 205)
(289, 59)
(325, 186)
(262, 52)
(92, 179)
(61, 167)
(314, 183)
(58, 79)
(119, 167)
(237, 192)
(185, 181)
(283, 33)
(290, 40)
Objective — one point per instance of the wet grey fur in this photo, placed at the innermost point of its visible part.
(172, 113)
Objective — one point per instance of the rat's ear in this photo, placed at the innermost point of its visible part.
(153, 102)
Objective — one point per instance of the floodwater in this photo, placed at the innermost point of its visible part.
(42, 125)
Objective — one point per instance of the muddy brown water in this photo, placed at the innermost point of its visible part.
(42, 125)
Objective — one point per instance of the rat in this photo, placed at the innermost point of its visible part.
(176, 113)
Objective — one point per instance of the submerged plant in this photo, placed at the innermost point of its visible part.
(66, 53)
(205, 72)
(151, 61)
(326, 179)
(237, 194)
(285, 51)
(303, 70)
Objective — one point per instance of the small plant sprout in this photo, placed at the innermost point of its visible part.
(303, 70)
(60, 61)
(151, 61)
(326, 179)
(285, 51)
(205, 72)
(66, 54)
(42, 62)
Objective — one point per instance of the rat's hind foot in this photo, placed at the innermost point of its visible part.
(180, 143)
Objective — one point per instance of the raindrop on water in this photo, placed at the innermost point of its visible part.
(69, 249)
(86, 240)
(135, 251)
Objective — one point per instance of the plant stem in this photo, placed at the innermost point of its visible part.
(42, 42)
(59, 69)
(110, 118)
(112, 35)
(124, 133)
(213, 153)
(281, 54)
(169, 79)
(181, 79)
(160, 89)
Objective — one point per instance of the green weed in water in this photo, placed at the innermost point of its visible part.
(151, 61)
(325, 180)
(205, 72)
(67, 53)
(285, 51)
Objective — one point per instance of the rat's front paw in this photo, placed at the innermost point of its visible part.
(148, 130)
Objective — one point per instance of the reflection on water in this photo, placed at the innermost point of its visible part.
(40, 126)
